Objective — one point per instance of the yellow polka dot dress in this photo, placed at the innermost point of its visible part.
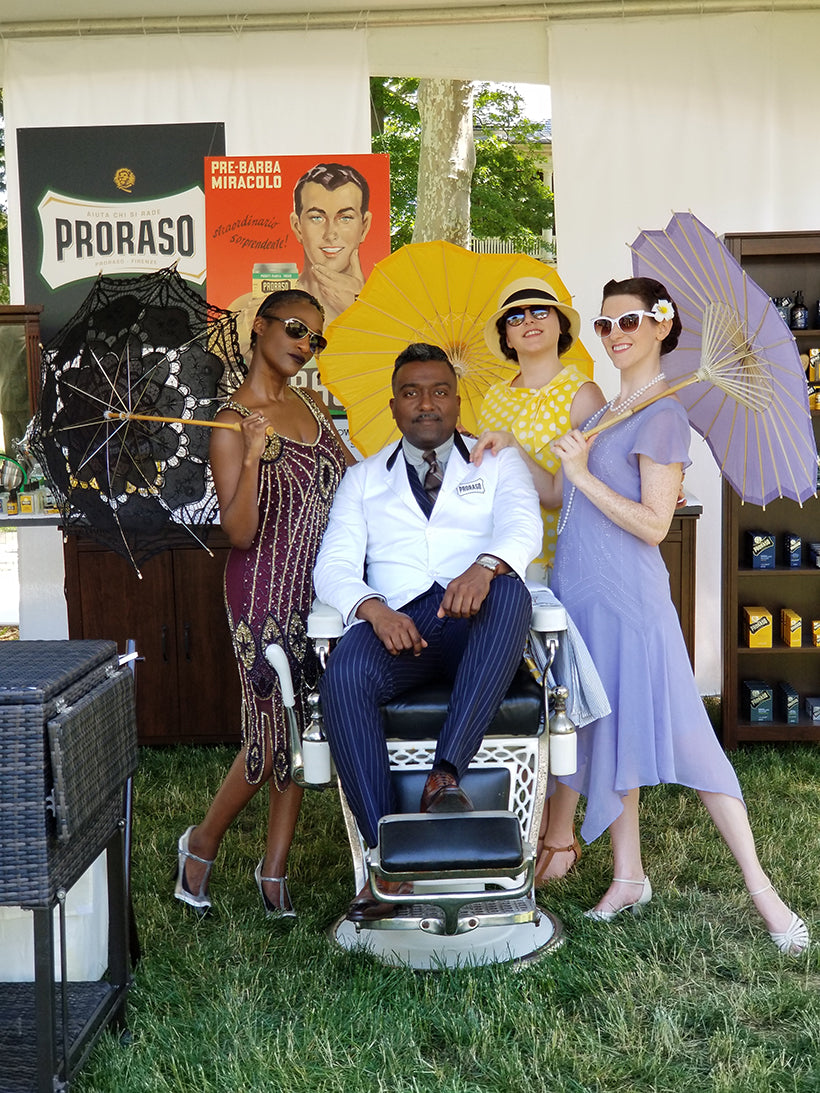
(535, 416)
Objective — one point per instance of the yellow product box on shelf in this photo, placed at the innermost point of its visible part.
(757, 624)
(791, 628)
(815, 631)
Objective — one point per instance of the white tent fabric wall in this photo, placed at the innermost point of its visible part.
(650, 116)
(514, 52)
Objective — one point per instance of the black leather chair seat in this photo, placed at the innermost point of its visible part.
(465, 843)
(419, 714)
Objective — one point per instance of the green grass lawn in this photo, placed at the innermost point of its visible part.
(692, 996)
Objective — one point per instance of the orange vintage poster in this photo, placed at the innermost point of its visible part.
(309, 222)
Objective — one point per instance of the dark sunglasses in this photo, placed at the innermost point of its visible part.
(296, 329)
(516, 318)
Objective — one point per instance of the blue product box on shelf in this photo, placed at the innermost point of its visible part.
(792, 550)
(788, 703)
(757, 700)
(760, 549)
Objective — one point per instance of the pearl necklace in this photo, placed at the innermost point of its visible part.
(562, 523)
(624, 406)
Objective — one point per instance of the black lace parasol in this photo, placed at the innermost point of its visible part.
(147, 346)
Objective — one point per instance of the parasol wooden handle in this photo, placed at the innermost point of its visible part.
(122, 415)
(647, 402)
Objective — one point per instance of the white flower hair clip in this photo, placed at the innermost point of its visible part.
(663, 309)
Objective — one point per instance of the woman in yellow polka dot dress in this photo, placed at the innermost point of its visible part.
(544, 400)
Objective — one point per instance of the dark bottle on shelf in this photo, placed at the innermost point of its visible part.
(783, 306)
(800, 313)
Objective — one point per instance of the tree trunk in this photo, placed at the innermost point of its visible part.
(446, 161)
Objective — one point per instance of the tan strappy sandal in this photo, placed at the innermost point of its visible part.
(545, 856)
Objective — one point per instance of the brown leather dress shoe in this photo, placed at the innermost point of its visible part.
(366, 908)
(442, 793)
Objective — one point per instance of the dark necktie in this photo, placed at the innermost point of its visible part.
(432, 480)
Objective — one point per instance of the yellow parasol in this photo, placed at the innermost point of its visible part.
(425, 292)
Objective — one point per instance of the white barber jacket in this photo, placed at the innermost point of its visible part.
(379, 542)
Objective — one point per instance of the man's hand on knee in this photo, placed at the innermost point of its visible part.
(466, 593)
(396, 631)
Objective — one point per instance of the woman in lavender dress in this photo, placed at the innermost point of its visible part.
(275, 479)
(619, 494)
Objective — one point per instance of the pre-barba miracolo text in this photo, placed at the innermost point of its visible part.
(245, 174)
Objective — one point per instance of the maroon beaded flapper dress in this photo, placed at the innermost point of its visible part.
(269, 586)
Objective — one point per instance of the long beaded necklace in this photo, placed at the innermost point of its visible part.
(619, 410)
(624, 406)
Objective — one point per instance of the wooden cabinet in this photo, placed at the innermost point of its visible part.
(678, 551)
(779, 262)
(187, 681)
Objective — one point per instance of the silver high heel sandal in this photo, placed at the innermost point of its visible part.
(635, 908)
(795, 938)
(200, 900)
(273, 910)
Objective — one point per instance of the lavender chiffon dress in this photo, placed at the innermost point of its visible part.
(616, 589)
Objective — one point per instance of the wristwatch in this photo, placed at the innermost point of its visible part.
(488, 561)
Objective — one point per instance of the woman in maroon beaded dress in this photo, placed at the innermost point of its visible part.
(275, 480)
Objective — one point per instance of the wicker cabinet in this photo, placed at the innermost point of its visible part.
(187, 680)
(67, 748)
(779, 262)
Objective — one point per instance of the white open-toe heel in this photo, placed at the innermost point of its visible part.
(200, 900)
(273, 910)
(635, 908)
(795, 938)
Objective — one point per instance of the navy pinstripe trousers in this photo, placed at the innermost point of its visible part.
(479, 655)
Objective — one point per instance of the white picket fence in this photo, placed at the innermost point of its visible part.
(544, 250)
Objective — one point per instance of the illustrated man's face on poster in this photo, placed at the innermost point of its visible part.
(331, 225)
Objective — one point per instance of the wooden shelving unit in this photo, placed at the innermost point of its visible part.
(187, 682)
(779, 262)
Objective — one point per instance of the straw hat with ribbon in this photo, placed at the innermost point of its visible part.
(527, 292)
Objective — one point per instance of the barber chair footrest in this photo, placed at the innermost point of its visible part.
(428, 846)
(432, 918)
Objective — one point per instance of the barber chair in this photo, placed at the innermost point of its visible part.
(472, 899)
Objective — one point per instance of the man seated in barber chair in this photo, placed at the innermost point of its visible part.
(425, 553)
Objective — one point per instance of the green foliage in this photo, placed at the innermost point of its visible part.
(397, 131)
(509, 197)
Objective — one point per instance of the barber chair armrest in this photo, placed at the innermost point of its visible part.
(548, 618)
(324, 621)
